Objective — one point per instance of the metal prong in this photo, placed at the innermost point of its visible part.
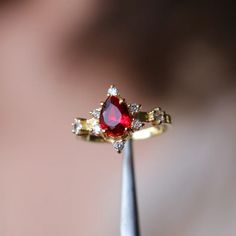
(122, 100)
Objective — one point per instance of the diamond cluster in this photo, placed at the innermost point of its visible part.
(114, 120)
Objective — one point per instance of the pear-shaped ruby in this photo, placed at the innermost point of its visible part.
(114, 117)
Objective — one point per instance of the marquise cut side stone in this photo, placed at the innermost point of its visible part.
(119, 145)
(96, 113)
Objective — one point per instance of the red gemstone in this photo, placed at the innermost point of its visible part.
(115, 117)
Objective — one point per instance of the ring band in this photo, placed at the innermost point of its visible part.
(115, 122)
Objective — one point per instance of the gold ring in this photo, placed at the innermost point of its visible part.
(115, 121)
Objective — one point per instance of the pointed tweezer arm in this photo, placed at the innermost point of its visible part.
(129, 210)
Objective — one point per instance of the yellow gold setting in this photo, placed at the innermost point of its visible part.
(144, 124)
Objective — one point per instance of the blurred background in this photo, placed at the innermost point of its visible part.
(57, 59)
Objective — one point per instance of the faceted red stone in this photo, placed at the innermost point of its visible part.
(114, 117)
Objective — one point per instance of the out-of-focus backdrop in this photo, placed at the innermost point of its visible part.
(57, 59)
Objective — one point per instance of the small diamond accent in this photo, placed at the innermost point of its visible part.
(136, 124)
(113, 91)
(134, 108)
(96, 113)
(119, 145)
(96, 130)
(77, 126)
(159, 116)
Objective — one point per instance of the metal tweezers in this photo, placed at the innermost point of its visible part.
(129, 210)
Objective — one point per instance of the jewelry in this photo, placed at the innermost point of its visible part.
(115, 121)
